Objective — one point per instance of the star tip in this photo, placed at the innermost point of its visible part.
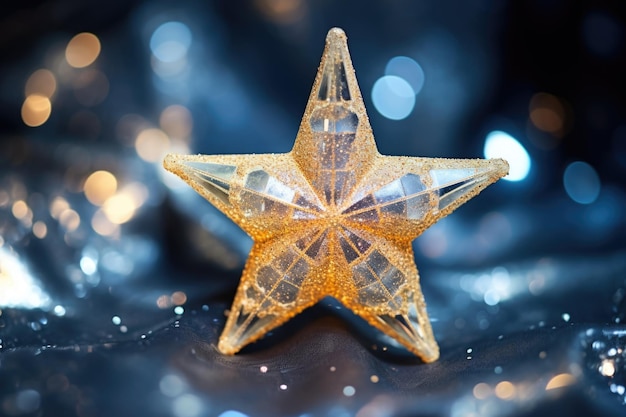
(503, 166)
(335, 34)
(225, 348)
(169, 160)
(433, 357)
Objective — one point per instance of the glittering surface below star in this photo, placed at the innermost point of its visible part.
(333, 217)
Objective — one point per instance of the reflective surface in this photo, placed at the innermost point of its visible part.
(114, 277)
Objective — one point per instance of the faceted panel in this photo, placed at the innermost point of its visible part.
(315, 249)
(257, 180)
(333, 119)
(287, 266)
(402, 325)
(348, 251)
(334, 131)
(377, 280)
(344, 181)
(285, 293)
(306, 241)
(393, 279)
(296, 273)
(265, 194)
(267, 277)
(358, 242)
(247, 326)
(363, 275)
(455, 183)
(395, 209)
(412, 184)
(335, 185)
(412, 332)
(334, 85)
(377, 262)
(286, 259)
(373, 295)
(262, 182)
(215, 178)
(390, 192)
(370, 216)
(352, 245)
(417, 207)
(405, 197)
(361, 205)
(301, 201)
(368, 271)
(313, 244)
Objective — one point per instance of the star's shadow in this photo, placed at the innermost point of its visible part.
(330, 315)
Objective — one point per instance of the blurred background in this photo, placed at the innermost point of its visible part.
(114, 275)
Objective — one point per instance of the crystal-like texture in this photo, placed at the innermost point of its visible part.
(333, 217)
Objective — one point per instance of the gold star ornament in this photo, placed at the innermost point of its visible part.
(333, 217)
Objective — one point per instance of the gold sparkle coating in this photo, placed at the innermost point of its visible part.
(333, 217)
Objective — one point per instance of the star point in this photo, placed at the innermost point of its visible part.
(333, 217)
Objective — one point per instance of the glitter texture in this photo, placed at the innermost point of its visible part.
(333, 217)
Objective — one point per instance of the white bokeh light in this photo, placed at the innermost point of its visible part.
(500, 144)
(408, 69)
(18, 288)
(170, 41)
(393, 97)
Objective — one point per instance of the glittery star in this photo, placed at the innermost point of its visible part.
(333, 217)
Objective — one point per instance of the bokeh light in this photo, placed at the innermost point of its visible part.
(393, 97)
(547, 113)
(40, 230)
(18, 288)
(152, 144)
(170, 41)
(82, 50)
(500, 144)
(481, 390)
(607, 368)
(232, 413)
(41, 82)
(101, 224)
(19, 209)
(407, 69)
(188, 405)
(176, 121)
(119, 209)
(36, 110)
(560, 381)
(505, 390)
(282, 11)
(69, 219)
(57, 206)
(99, 186)
(581, 182)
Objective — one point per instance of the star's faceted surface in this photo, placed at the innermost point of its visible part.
(333, 217)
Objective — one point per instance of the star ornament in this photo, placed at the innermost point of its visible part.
(333, 217)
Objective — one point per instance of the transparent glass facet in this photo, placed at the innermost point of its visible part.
(406, 197)
(334, 130)
(215, 178)
(263, 194)
(454, 183)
